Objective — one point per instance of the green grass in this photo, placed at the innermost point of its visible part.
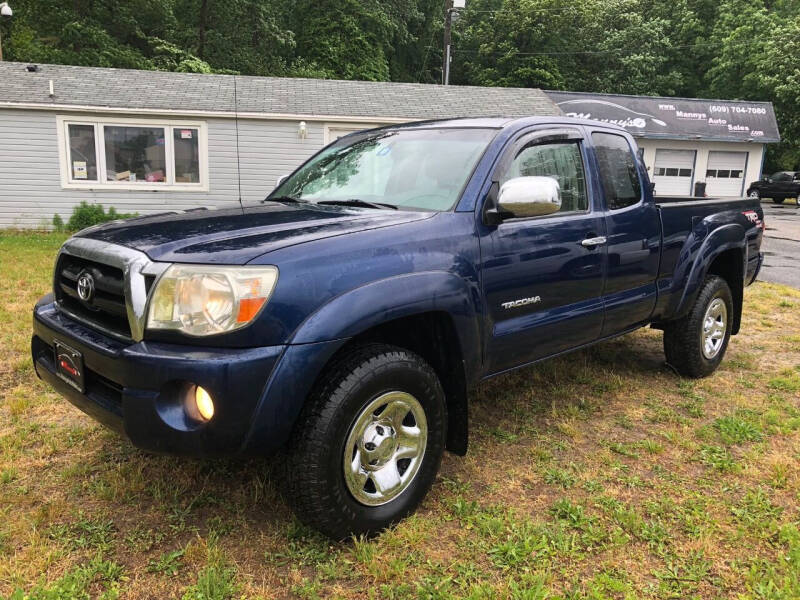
(599, 475)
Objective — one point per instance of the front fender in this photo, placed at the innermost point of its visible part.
(327, 330)
(693, 266)
(385, 300)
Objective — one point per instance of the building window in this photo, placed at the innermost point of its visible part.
(125, 154)
(725, 173)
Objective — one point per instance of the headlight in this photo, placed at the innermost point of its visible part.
(205, 300)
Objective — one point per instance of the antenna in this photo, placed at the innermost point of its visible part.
(236, 121)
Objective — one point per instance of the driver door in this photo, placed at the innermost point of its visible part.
(543, 276)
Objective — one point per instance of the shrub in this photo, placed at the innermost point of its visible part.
(85, 215)
(58, 223)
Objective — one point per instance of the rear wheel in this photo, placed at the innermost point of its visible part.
(369, 442)
(755, 194)
(696, 344)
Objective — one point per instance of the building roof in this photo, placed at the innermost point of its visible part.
(188, 92)
(676, 118)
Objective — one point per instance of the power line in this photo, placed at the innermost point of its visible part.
(593, 52)
(523, 12)
(428, 48)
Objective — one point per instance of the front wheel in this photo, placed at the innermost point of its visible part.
(696, 344)
(754, 194)
(368, 443)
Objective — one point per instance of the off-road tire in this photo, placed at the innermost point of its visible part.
(315, 482)
(683, 339)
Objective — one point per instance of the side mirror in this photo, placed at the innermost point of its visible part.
(529, 197)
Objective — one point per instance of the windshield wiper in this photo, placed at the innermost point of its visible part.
(288, 199)
(359, 202)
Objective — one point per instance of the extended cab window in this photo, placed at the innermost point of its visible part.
(562, 162)
(618, 173)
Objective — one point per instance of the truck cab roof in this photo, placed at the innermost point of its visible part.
(501, 122)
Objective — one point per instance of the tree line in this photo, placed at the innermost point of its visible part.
(727, 49)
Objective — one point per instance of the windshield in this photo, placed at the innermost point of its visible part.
(414, 168)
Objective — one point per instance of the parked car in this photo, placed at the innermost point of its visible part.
(779, 186)
(345, 319)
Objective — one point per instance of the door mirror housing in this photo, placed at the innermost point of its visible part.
(529, 197)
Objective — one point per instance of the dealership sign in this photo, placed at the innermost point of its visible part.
(677, 118)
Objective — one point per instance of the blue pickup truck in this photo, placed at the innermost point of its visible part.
(343, 320)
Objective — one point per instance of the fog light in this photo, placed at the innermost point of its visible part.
(204, 403)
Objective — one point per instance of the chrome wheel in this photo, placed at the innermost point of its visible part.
(755, 194)
(715, 326)
(385, 448)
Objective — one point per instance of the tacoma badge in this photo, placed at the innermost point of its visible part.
(521, 302)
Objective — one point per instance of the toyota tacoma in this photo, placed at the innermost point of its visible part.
(343, 320)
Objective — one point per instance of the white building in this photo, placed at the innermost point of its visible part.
(686, 140)
(149, 141)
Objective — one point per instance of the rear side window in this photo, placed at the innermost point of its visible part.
(562, 162)
(617, 170)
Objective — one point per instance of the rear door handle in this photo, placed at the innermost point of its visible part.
(593, 242)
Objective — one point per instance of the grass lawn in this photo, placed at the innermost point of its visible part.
(597, 475)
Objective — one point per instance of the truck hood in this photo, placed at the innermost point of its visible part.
(238, 235)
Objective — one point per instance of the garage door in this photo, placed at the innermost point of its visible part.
(674, 170)
(725, 173)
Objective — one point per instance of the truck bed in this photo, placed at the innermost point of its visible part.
(687, 222)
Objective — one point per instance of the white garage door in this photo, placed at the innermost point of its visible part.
(673, 172)
(725, 173)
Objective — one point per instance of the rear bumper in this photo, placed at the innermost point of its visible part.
(134, 389)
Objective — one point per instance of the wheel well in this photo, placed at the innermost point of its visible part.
(729, 265)
(433, 336)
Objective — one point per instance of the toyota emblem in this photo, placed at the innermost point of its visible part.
(86, 286)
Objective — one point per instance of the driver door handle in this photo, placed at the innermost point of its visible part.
(593, 242)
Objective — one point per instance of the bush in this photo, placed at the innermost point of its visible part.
(85, 215)
(58, 223)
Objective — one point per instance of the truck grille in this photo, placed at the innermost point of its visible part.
(115, 281)
(106, 309)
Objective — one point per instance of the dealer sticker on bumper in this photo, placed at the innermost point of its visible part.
(69, 366)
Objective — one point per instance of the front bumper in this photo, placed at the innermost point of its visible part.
(132, 388)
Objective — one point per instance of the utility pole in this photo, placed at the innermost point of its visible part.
(452, 7)
(5, 14)
(448, 25)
